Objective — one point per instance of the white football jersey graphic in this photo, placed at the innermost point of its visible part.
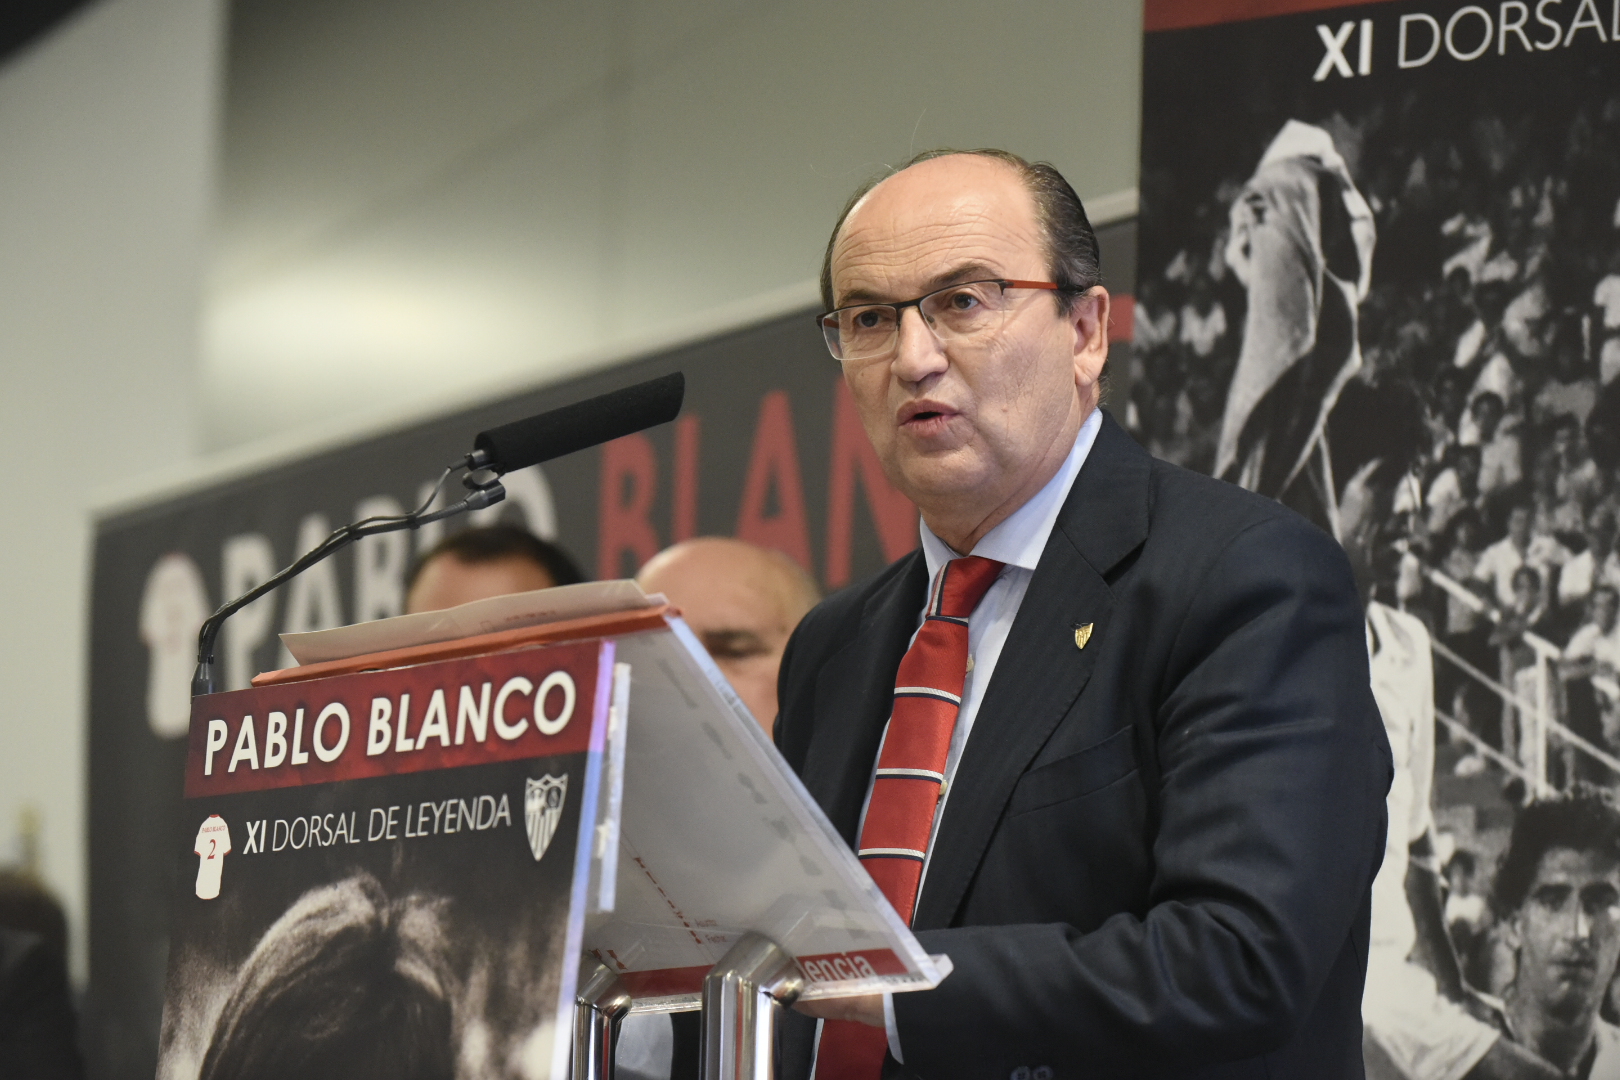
(213, 844)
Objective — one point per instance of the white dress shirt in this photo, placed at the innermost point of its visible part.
(1018, 541)
(1426, 1034)
(1607, 1060)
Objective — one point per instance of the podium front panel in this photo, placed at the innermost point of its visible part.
(389, 867)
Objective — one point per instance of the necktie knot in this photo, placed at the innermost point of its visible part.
(963, 583)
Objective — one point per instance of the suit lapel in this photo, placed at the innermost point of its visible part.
(854, 691)
(1040, 673)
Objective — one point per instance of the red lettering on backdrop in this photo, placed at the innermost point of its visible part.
(629, 482)
(852, 457)
(1121, 317)
(774, 463)
(683, 526)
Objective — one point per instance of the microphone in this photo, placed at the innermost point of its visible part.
(578, 426)
(500, 450)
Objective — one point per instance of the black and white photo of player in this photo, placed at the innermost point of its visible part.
(1387, 293)
(393, 928)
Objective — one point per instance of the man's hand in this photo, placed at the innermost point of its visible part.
(867, 1009)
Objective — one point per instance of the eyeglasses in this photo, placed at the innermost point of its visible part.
(970, 309)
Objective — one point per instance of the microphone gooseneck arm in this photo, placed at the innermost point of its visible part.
(484, 491)
(497, 451)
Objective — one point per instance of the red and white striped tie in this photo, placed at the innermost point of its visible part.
(910, 781)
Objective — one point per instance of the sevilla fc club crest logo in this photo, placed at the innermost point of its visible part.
(542, 810)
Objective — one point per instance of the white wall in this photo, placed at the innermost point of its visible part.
(107, 134)
(415, 193)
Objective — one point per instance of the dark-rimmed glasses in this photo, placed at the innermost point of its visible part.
(965, 310)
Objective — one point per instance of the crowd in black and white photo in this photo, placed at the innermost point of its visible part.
(1490, 365)
(1493, 323)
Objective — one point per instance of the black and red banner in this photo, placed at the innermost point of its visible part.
(507, 706)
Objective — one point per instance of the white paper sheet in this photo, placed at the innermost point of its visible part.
(719, 837)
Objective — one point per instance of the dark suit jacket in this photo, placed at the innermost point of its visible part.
(37, 1028)
(1157, 853)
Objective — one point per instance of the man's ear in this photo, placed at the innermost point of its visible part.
(1089, 318)
(1511, 937)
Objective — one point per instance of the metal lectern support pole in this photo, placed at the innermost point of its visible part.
(742, 997)
(599, 1005)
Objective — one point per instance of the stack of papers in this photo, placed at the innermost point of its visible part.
(479, 617)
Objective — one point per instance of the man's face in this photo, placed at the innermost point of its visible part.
(966, 423)
(1467, 535)
(1545, 478)
(1519, 525)
(447, 582)
(1363, 511)
(1567, 934)
(734, 598)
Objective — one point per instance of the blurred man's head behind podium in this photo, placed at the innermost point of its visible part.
(743, 602)
(486, 561)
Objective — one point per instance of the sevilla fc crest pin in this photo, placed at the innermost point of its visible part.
(542, 810)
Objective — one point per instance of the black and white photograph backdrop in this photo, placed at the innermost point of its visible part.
(395, 926)
(1379, 280)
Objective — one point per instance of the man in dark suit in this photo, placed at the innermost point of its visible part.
(1158, 805)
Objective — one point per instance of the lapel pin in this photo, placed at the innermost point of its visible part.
(1082, 634)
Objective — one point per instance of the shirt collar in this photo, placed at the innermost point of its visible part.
(1020, 539)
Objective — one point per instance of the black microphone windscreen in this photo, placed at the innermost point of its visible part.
(584, 424)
